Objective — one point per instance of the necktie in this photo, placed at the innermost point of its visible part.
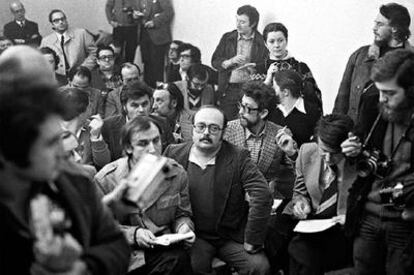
(327, 204)
(62, 45)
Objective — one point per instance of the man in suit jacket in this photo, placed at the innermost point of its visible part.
(74, 47)
(229, 196)
(155, 37)
(323, 178)
(271, 148)
(21, 30)
(52, 219)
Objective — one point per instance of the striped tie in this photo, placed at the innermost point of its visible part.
(327, 205)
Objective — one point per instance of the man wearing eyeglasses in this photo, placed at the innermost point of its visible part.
(230, 198)
(21, 30)
(74, 46)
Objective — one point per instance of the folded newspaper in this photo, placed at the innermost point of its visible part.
(319, 225)
(168, 239)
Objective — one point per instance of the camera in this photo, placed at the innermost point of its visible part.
(393, 196)
(129, 11)
(373, 162)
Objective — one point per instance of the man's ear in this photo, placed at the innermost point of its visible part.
(128, 150)
(286, 92)
(264, 113)
(174, 103)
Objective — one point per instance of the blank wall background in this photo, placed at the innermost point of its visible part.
(322, 33)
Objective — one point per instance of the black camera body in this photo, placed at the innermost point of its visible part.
(373, 162)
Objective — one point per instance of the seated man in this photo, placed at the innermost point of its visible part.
(168, 211)
(230, 198)
(299, 115)
(129, 72)
(323, 178)
(263, 138)
(169, 103)
(52, 220)
(195, 89)
(80, 78)
(136, 100)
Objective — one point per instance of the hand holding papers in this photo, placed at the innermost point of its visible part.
(314, 226)
(168, 239)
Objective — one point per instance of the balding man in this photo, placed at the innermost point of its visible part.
(19, 65)
(21, 30)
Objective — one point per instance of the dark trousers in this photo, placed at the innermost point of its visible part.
(228, 101)
(378, 248)
(317, 253)
(128, 37)
(165, 261)
(231, 252)
(153, 57)
(278, 236)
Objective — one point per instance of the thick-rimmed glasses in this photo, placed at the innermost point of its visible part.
(245, 108)
(212, 128)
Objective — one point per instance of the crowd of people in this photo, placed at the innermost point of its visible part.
(103, 159)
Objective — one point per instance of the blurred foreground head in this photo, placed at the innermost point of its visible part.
(24, 66)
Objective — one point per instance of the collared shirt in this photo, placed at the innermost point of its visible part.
(254, 143)
(21, 23)
(299, 105)
(111, 83)
(194, 159)
(244, 47)
(59, 36)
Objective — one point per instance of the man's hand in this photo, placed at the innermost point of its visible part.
(301, 209)
(351, 147)
(114, 24)
(149, 24)
(137, 14)
(238, 59)
(252, 249)
(285, 141)
(95, 126)
(117, 193)
(145, 238)
(78, 268)
(184, 228)
(408, 214)
(19, 41)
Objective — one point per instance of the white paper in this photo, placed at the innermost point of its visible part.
(314, 226)
(168, 239)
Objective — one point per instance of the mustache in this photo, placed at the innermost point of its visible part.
(206, 138)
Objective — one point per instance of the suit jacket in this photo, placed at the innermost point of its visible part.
(79, 47)
(227, 48)
(105, 250)
(309, 165)
(273, 162)
(161, 12)
(29, 33)
(235, 176)
(113, 104)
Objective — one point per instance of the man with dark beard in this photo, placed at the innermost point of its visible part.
(383, 194)
(391, 30)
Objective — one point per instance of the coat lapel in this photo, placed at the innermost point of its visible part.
(312, 176)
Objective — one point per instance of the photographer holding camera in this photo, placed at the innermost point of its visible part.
(381, 200)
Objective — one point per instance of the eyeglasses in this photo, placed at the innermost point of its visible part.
(245, 108)
(106, 57)
(57, 20)
(212, 128)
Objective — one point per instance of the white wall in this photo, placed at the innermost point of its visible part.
(322, 33)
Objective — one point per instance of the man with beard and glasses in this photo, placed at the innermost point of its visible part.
(229, 197)
(269, 144)
(383, 194)
(391, 31)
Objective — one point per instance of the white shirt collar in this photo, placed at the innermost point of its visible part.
(299, 105)
(59, 35)
(194, 159)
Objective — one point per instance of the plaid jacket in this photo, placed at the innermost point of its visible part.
(272, 162)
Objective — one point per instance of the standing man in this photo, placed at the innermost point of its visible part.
(155, 37)
(123, 16)
(74, 47)
(230, 198)
(262, 138)
(381, 196)
(391, 30)
(52, 219)
(21, 30)
(236, 57)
